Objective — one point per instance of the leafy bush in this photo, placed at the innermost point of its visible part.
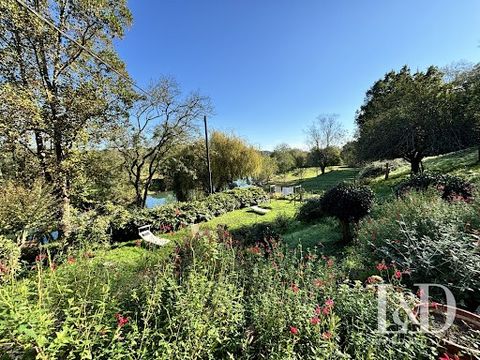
(451, 187)
(377, 168)
(429, 241)
(311, 210)
(348, 203)
(263, 232)
(210, 300)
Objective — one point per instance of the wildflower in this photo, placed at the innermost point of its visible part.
(294, 288)
(398, 274)
(40, 257)
(329, 303)
(121, 320)
(293, 330)
(448, 357)
(255, 250)
(318, 283)
(314, 320)
(381, 266)
(326, 310)
(71, 260)
(327, 335)
(330, 262)
(318, 310)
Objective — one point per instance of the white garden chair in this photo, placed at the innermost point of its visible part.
(146, 235)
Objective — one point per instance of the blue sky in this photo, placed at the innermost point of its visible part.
(271, 66)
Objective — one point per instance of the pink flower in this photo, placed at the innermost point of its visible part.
(40, 257)
(327, 335)
(381, 266)
(318, 310)
(121, 320)
(448, 357)
(326, 310)
(329, 303)
(398, 274)
(318, 283)
(330, 262)
(293, 330)
(314, 320)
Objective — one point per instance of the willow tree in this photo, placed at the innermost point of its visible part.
(54, 94)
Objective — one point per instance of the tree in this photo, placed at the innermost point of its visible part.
(268, 169)
(232, 158)
(284, 158)
(326, 131)
(53, 93)
(410, 116)
(322, 158)
(158, 123)
(349, 154)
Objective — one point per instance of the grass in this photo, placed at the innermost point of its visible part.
(312, 182)
(461, 163)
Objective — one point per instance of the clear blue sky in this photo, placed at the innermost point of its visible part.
(271, 66)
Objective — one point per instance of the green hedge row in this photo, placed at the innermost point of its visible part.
(172, 217)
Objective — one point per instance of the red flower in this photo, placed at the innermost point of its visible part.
(326, 310)
(294, 288)
(314, 320)
(318, 283)
(71, 260)
(327, 335)
(398, 274)
(448, 357)
(329, 303)
(255, 250)
(121, 320)
(40, 257)
(318, 310)
(293, 330)
(381, 266)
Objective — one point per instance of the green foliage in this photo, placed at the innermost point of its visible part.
(431, 240)
(378, 168)
(284, 158)
(349, 154)
(411, 115)
(451, 187)
(172, 217)
(322, 158)
(26, 211)
(347, 202)
(9, 257)
(311, 210)
(209, 300)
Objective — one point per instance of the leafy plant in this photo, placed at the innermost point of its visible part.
(311, 210)
(348, 203)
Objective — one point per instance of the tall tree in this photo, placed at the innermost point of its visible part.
(408, 115)
(326, 131)
(64, 95)
(322, 158)
(158, 123)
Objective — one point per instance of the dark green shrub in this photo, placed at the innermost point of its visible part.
(311, 210)
(348, 203)
(451, 187)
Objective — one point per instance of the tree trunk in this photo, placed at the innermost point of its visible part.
(387, 170)
(322, 168)
(346, 232)
(416, 162)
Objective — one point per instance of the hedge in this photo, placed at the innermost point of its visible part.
(173, 217)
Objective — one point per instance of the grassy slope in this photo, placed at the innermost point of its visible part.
(461, 163)
(326, 234)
